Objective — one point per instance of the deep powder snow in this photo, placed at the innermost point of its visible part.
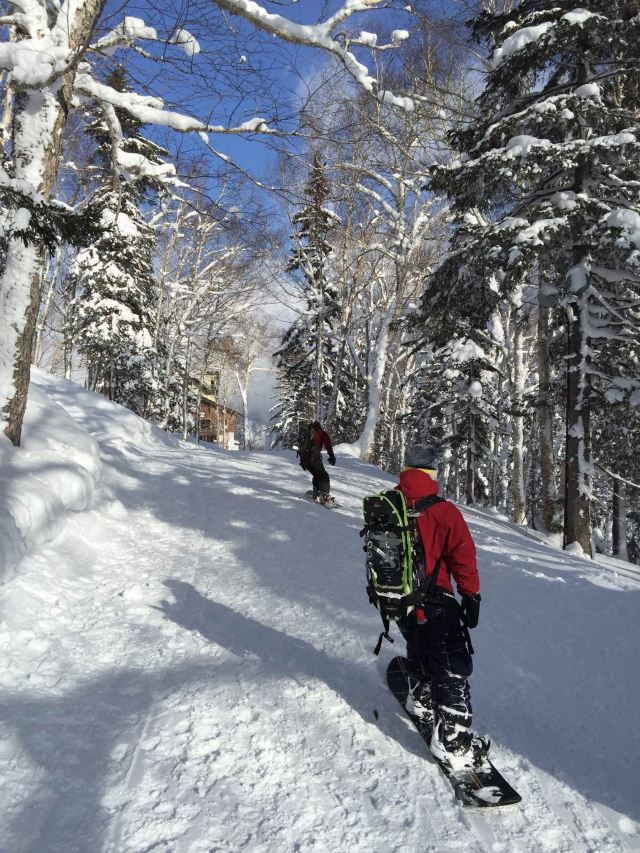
(187, 666)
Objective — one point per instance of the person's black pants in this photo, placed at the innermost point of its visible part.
(321, 482)
(440, 654)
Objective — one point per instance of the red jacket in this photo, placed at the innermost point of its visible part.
(444, 531)
(321, 439)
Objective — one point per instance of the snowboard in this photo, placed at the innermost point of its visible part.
(482, 788)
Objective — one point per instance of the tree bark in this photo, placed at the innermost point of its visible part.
(374, 389)
(497, 477)
(545, 426)
(619, 526)
(517, 468)
(470, 482)
(577, 520)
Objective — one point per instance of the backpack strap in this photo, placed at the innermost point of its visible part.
(424, 503)
(428, 583)
(385, 635)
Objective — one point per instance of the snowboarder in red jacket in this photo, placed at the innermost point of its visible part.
(311, 460)
(438, 643)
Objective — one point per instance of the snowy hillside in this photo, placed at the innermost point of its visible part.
(187, 666)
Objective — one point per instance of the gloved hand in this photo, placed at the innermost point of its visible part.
(332, 460)
(302, 465)
(471, 609)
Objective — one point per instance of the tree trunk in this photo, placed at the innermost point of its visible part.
(619, 527)
(337, 379)
(244, 395)
(517, 477)
(470, 482)
(41, 326)
(375, 380)
(496, 467)
(531, 472)
(39, 118)
(545, 426)
(185, 392)
(577, 519)
(320, 352)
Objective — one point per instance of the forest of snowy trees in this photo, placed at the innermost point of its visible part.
(446, 201)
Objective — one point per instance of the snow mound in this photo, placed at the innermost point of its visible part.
(55, 471)
(58, 468)
(170, 664)
(106, 421)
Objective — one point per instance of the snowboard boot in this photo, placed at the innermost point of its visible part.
(419, 704)
(327, 499)
(463, 751)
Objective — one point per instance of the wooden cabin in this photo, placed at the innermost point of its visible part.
(219, 424)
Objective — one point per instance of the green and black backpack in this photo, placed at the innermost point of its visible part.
(395, 561)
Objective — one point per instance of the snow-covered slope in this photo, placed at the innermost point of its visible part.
(187, 666)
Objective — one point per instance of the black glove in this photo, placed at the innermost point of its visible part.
(302, 465)
(332, 460)
(471, 609)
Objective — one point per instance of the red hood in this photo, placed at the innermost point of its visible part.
(414, 483)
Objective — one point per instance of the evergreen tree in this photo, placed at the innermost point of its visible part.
(310, 259)
(114, 310)
(548, 180)
(310, 361)
(454, 409)
(294, 390)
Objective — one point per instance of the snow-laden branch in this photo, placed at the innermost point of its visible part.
(365, 190)
(126, 33)
(346, 11)
(370, 173)
(131, 30)
(150, 110)
(617, 476)
(362, 370)
(318, 36)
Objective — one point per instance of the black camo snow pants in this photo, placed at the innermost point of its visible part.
(440, 654)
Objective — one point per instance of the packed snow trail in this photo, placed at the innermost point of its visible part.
(187, 667)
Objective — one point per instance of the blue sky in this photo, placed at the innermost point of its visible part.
(240, 73)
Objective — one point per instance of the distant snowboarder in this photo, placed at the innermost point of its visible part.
(438, 643)
(311, 443)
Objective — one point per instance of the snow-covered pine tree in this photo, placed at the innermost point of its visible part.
(307, 359)
(294, 390)
(454, 409)
(114, 310)
(548, 177)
